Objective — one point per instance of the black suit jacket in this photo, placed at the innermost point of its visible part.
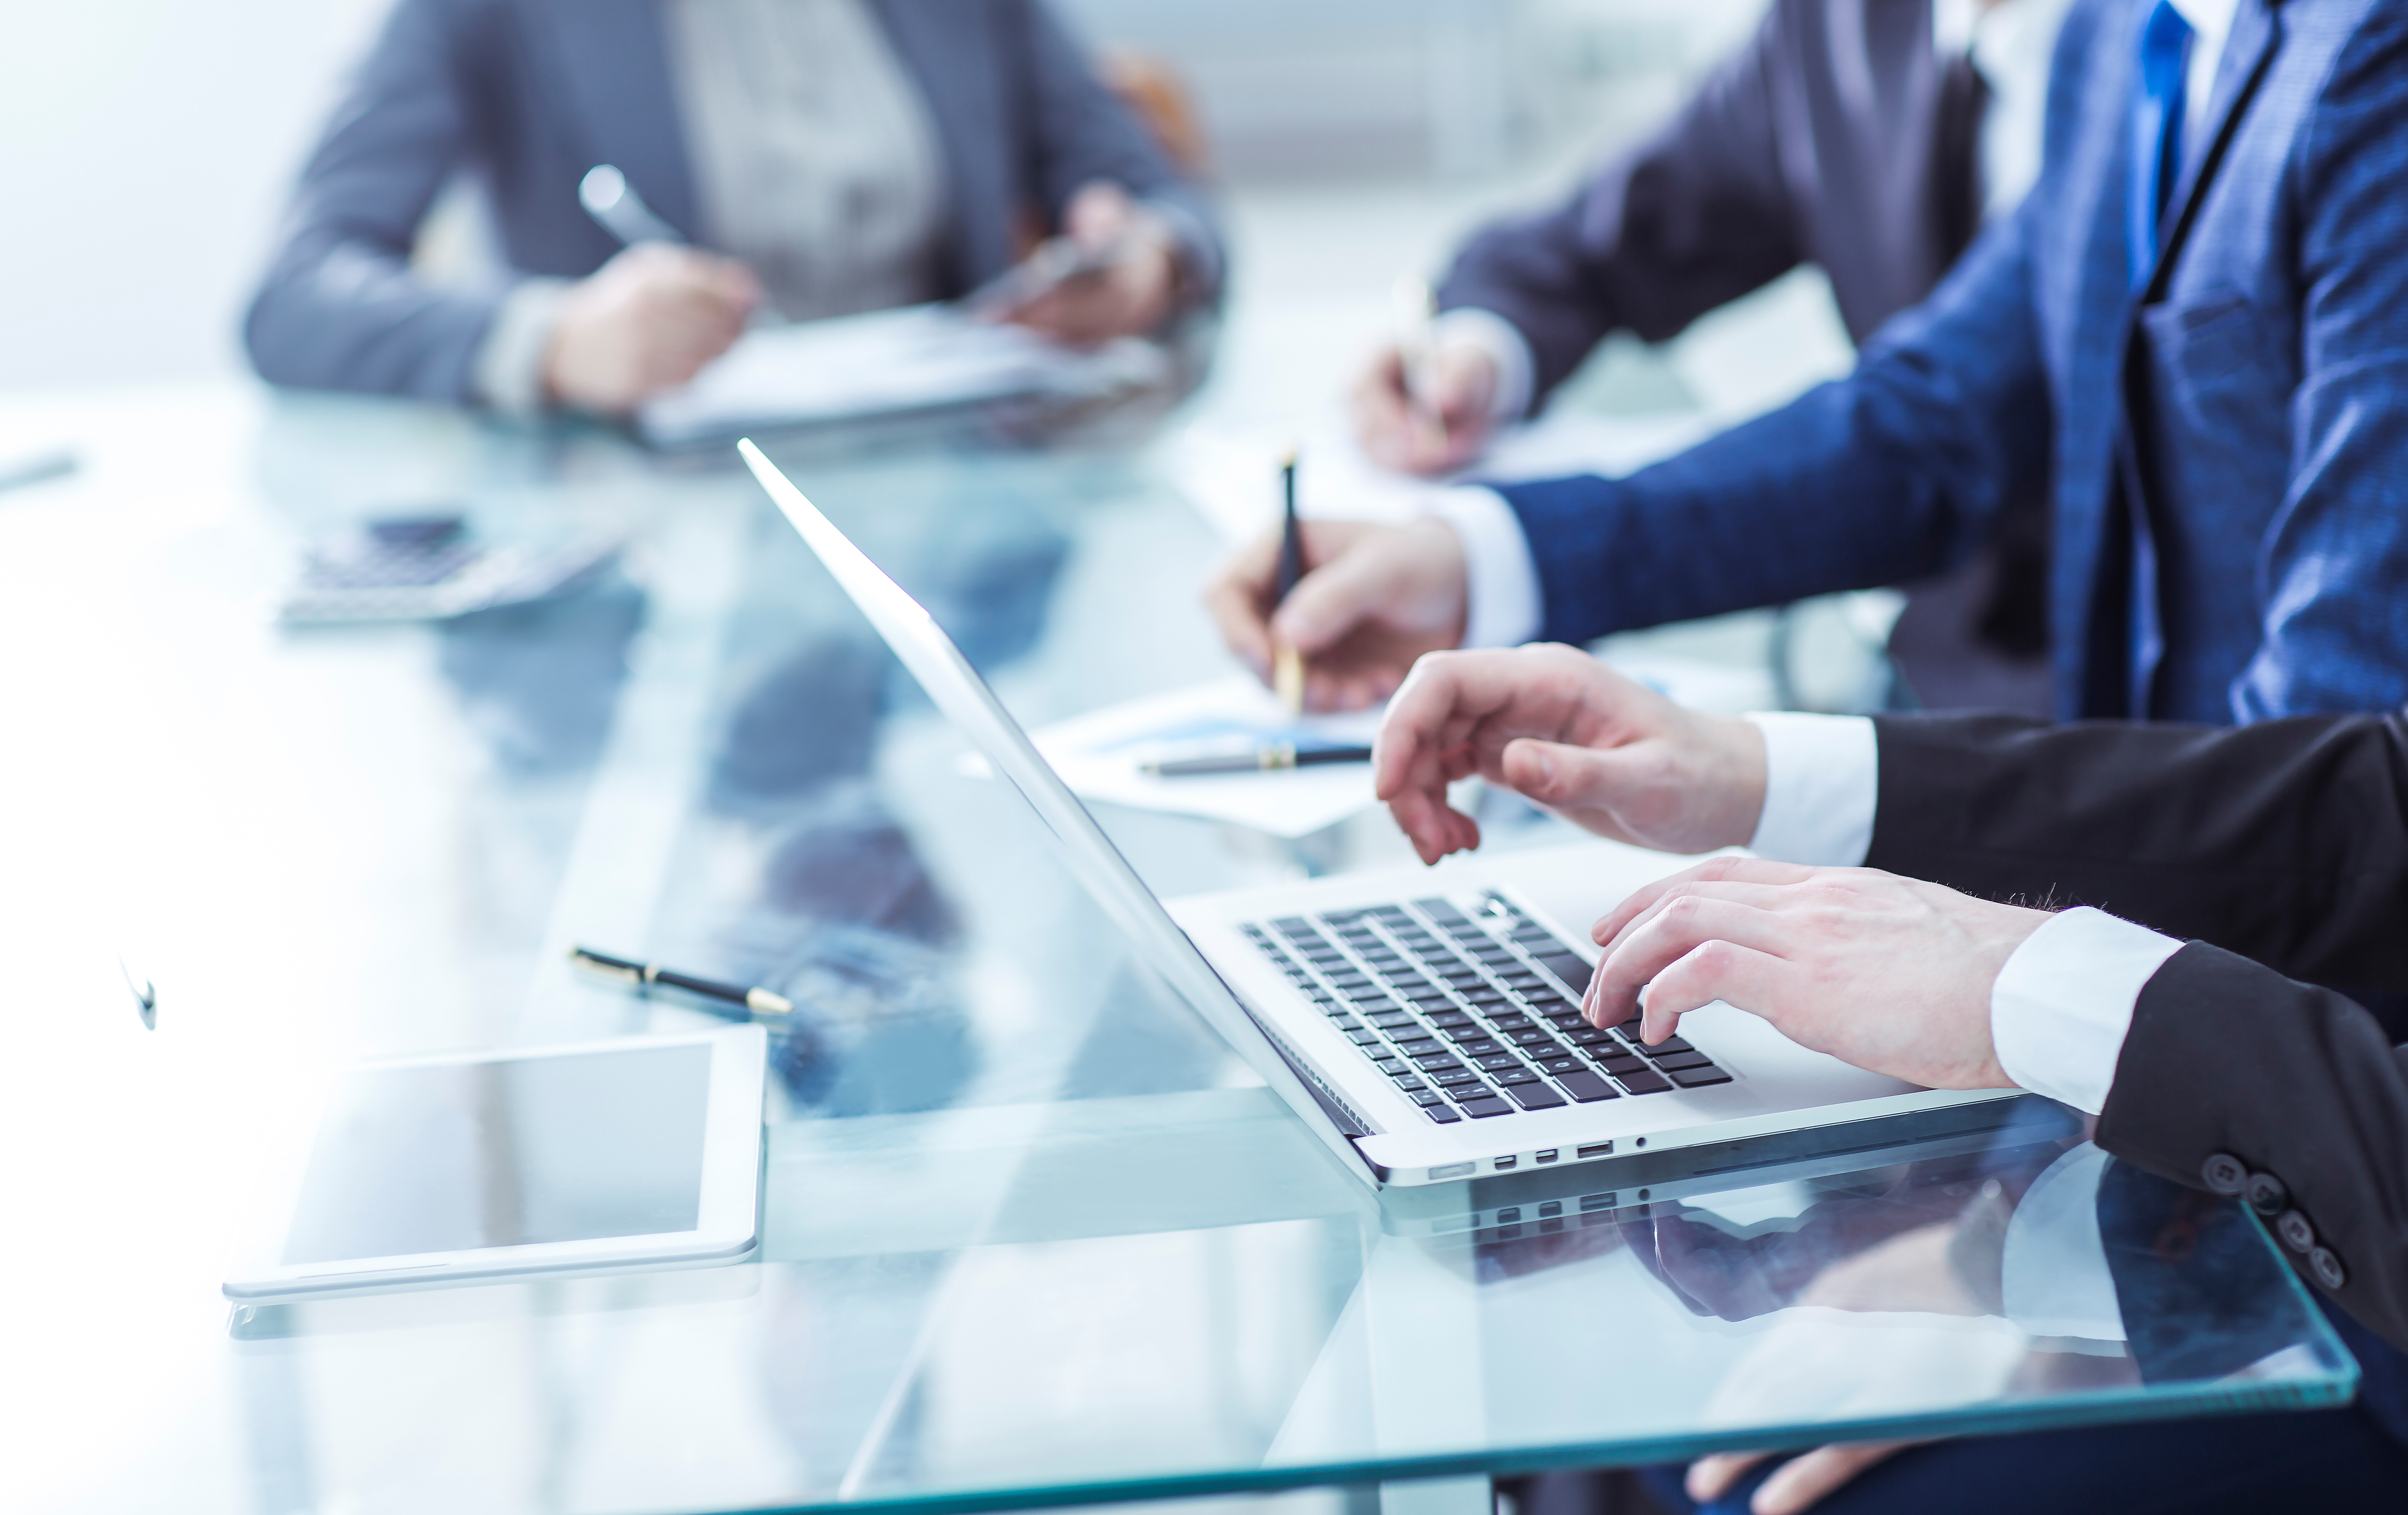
(2281, 849)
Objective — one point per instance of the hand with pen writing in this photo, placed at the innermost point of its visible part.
(644, 322)
(1428, 417)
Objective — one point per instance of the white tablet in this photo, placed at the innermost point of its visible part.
(635, 1154)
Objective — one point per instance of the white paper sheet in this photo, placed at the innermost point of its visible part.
(1232, 478)
(1099, 755)
(887, 362)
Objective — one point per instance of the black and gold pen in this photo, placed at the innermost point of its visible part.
(760, 1001)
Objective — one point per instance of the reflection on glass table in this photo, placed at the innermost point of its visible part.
(1031, 1233)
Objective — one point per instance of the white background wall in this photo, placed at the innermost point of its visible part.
(146, 145)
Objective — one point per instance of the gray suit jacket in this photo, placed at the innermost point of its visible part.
(528, 94)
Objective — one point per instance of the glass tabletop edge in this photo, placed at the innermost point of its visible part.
(2328, 1393)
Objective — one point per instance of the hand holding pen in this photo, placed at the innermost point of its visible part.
(1423, 405)
(649, 319)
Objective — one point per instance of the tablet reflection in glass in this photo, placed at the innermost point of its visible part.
(452, 1157)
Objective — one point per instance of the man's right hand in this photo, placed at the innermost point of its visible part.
(1561, 728)
(1430, 423)
(1375, 597)
(644, 322)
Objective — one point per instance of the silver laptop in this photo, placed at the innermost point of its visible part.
(1427, 1032)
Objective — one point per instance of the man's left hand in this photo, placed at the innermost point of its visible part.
(1133, 286)
(1883, 972)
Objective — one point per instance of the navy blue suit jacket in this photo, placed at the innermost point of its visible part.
(2226, 450)
(530, 93)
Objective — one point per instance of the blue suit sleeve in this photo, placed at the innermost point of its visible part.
(1895, 471)
(2335, 627)
(1085, 132)
(339, 307)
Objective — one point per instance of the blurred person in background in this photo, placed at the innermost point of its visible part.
(818, 158)
(1872, 139)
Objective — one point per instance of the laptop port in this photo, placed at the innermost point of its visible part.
(1597, 1202)
(1596, 1150)
(1551, 1208)
(1503, 1163)
(1547, 1156)
(1451, 1170)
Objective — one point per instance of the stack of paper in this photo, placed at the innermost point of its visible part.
(921, 357)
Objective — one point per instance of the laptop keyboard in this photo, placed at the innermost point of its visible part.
(1471, 1018)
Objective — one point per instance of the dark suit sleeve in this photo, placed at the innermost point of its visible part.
(2286, 842)
(1698, 215)
(339, 308)
(2226, 1055)
(1085, 132)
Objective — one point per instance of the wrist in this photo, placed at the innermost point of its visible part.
(1740, 779)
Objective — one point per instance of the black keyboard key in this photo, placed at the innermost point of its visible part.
(1643, 1082)
(1586, 1087)
(1345, 1023)
(1420, 1046)
(1392, 1066)
(1474, 1033)
(1292, 925)
(1570, 967)
(1529, 1037)
(1366, 1036)
(1485, 995)
(1371, 996)
(1581, 1033)
(1439, 909)
(1423, 1094)
(1389, 1019)
(1559, 1066)
(1482, 1109)
(1510, 1020)
(1475, 1046)
(1518, 1076)
(1443, 1113)
(1449, 1019)
(1496, 1061)
(1453, 1077)
(1669, 1060)
(1698, 1077)
(1534, 1096)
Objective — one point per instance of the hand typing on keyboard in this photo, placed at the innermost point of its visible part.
(1561, 728)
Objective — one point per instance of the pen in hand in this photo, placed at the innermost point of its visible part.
(1287, 663)
(1415, 308)
(759, 1002)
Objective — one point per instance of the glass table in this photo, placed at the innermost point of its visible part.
(1033, 1237)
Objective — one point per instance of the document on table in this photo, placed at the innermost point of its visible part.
(1100, 755)
(1232, 478)
(920, 357)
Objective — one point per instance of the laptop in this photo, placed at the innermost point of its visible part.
(1425, 1027)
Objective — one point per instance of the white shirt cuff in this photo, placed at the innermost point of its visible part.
(1506, 348)
(2063, 1003)
(1822, 779)
(1502, 607)
(509, 372)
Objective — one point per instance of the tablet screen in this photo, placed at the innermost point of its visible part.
(454, 1157)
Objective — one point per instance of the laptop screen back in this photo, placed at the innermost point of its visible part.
(971, 705)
